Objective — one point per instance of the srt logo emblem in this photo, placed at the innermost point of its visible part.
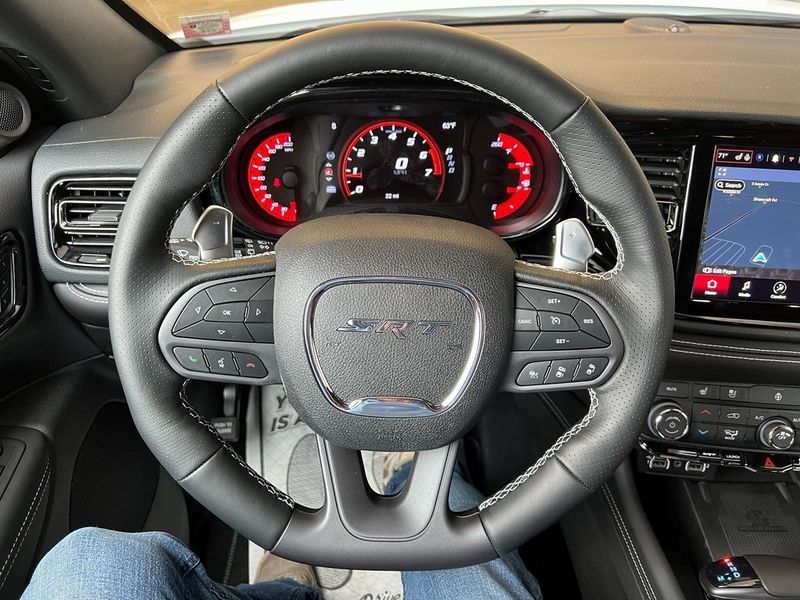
(398, 327)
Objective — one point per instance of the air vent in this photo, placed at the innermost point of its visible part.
(35, 71)
(84, 215)
(667, 172)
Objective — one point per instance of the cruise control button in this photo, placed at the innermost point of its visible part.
(589, 322)
(262, 332)
(703, 432)
(221, 362)
(259, 311)
(758, 415)
(561, 371)
(556, 340)
(705, 412)
(525, 320)
(733, 415)
(703, 390)
(233, 332)
(551, 321)
(533, 373)
(544, 300)
(590, 368)
(194, 311)
(250, 365)
(232, 312)
(235, 291)
(191, 359)
(523, 340)
(267, 291)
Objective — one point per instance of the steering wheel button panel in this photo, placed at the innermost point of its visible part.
(240, 334)
(232, 312)
(576, 345)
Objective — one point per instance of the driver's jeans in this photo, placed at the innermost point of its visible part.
(99, 564)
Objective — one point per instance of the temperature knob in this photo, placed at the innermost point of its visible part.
(668, 421)
(776, 433)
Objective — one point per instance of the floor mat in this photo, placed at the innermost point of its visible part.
(284, 450)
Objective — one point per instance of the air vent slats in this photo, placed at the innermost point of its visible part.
(84, 217)
(667, 172)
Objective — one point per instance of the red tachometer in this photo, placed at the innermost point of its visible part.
(272, 177)
(514, 176)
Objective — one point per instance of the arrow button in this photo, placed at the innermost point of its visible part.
(259, 311)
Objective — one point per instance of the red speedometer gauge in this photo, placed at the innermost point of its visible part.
(512, 166)
(272, 177)
(394, 161)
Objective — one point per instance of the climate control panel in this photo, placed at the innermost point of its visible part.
(704, 424)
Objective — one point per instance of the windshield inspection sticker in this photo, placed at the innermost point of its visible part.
(207, 25)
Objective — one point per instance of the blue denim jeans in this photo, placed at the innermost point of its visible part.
(98, 564)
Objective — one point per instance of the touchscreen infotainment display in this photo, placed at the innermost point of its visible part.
(750, 243)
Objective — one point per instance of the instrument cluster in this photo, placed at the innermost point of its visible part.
(451, 157)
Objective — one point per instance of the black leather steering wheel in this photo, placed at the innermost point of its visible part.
(456, 282)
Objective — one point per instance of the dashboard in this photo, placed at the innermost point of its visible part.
(447, 153)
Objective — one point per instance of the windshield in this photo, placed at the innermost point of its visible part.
(203, 22)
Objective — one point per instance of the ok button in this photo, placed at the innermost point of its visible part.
(733, 414)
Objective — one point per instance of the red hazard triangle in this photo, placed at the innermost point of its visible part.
(769, 463)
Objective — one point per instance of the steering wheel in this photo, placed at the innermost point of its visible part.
(339, 285)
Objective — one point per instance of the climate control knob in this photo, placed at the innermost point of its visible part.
(776, 433)
(668, 421)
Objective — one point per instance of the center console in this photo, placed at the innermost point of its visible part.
(719, 454)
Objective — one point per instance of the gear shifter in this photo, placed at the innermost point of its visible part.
(753, 577)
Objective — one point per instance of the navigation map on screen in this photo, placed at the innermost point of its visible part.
(750, 247)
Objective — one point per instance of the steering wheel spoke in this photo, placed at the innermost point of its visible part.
(359, 528)
(563, 338)
(223, 330)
